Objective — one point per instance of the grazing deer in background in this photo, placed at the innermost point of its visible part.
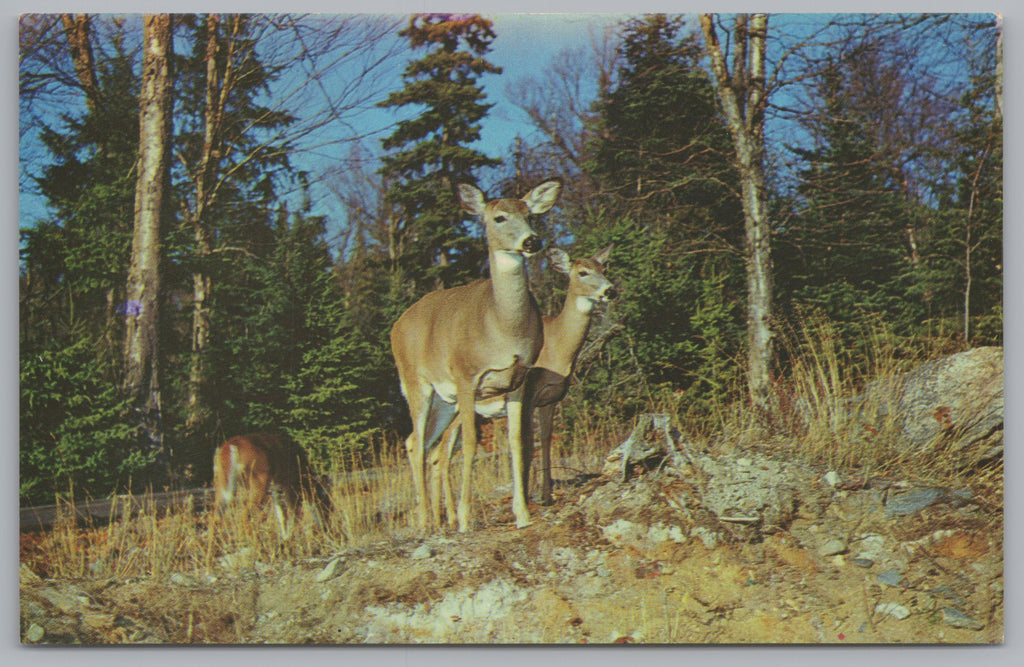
(248, 468)
(548, 381)
(475, 342)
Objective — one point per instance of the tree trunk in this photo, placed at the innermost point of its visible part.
(78, 31)
(217, 86)
(742, 96)
(142, 305)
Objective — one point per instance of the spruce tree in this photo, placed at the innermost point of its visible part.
(658, 151)
(430, 153)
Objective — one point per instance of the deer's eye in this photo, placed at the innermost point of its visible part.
(584, 273)
(500, 218)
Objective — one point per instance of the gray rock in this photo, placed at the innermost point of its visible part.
(897, 611)
(422, 552)
(958, 399)
(871, 546)
(330, 571)
(915, 500)
(35, 633)
(832, 546)
(179, 579)
(708, 537)
(957, 619)
(767, 490)
(947, 593)
(890, 578)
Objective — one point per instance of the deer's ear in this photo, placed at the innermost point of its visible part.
(602, 257)
(543, 197)
(559, 260)
(470, 198)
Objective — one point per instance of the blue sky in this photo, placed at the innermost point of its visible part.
(525, 44)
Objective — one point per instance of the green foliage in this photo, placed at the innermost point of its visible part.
(89, 184)
(74, 431)
(335, 398)
(659, 146)
(430, 153)
(659, 151)
(300, 335)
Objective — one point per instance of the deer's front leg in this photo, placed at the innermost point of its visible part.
(545, 421)
(467, 418)
(519, 420)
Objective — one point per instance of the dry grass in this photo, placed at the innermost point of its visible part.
(369, 505)
(377, 504)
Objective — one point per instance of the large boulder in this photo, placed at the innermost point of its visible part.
(956, 401)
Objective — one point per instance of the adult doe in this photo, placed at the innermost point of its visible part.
(474, 342)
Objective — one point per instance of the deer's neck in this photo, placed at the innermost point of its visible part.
(513, 303)
(564, 334)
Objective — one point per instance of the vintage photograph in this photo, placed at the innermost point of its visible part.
(511, 329)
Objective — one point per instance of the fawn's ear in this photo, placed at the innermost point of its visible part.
(470, 198)
(559, 260)
(602, 257)
(543, 197)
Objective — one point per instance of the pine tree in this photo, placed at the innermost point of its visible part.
(852, 238)
(658, 152)
(74, 435)
(228, 176)
(659, 142)
(82, 251)
(430, 152)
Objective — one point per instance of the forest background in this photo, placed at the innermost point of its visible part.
(279, 281)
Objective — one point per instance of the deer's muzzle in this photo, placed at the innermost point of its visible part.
(532, 244)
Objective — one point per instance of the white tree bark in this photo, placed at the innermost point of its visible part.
(742, 96)
(142, 305)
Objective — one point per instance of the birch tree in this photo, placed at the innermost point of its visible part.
(741, 93)
(142, 305)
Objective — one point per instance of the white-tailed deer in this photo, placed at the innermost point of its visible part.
(249, 468)
(548, 381)
(475, 342)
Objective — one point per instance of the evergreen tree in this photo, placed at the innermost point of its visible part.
(73, 270)
(963, 258)
(659, 142)
(81, 253)
(848, 251)
(658, 153)
(430, 152)
(228, 177)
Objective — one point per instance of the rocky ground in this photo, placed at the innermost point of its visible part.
(737, 549)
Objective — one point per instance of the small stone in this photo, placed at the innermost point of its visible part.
(832, 477)
(708, 537)
(330, 571)
(897, 611)
(743, 463)
(179, 579)
(891, 578)
(958, 619)
(862, 562)
(947, 593)
(421, 552)
(35, 633)
(241, 559)
(832, 547)
(871, 546)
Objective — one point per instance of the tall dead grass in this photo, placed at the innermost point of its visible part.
(816, 423)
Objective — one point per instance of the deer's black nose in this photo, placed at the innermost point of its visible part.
(533, 244)
(611, 293)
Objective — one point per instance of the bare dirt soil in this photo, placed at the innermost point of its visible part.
(666, 556)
